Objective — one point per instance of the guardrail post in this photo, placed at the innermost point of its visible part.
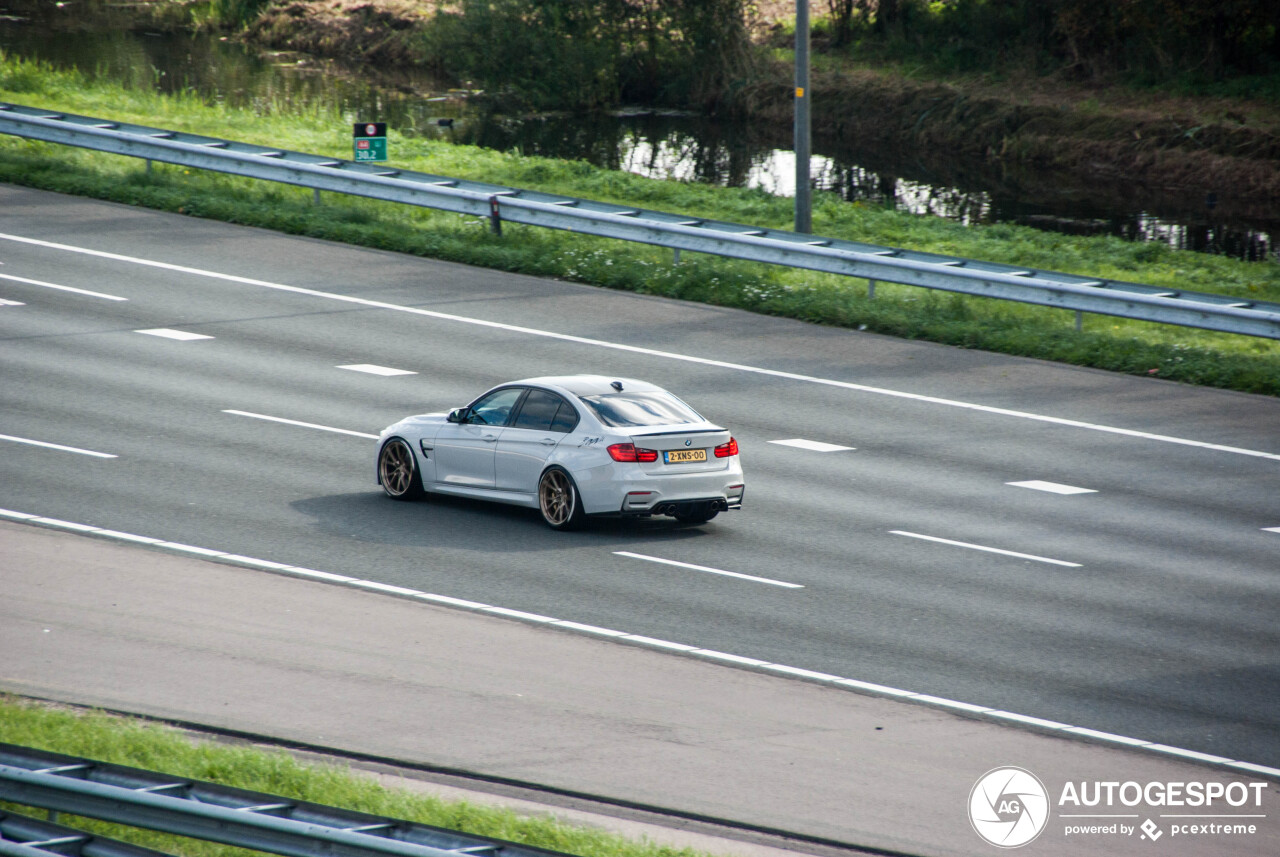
(675, 256)
(1079, 320)
(495, 217)
(315, 196)
(871, 288)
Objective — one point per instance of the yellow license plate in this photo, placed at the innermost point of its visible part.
(681, 456)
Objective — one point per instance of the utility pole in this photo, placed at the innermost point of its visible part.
(803, 146)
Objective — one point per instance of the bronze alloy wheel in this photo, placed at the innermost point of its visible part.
(558, 500)
(398, 472)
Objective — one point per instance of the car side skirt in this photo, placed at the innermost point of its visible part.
(493, 495)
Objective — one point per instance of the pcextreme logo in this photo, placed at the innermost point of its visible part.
(1009, 807)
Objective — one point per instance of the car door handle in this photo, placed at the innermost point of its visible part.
(547, 441)
(489, 438)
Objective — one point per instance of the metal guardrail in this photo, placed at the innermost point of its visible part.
(498, 203)
(216, 813)
(21, 836)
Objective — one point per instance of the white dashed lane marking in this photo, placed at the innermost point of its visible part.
(1271, 529)
(371, 369)
(635, 349)
(4, 302)
(170, 333)
(42, 284)
(720, 571)
(986, 549)
(1051, 487)
(300, 424)
(28, 441)
(814, 445)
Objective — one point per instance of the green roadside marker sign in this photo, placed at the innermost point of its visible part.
(369, 141)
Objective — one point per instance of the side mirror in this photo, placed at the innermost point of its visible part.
(459, 415)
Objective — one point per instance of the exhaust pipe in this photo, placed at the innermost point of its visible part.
(673, 508)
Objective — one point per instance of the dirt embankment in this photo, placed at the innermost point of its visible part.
(1228, 147)
(382, 33)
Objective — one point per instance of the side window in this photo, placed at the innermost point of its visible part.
(538, 411)
(545, 411)
(566, 418)
(495, 408)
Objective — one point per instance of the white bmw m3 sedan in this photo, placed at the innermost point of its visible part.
(570, 447)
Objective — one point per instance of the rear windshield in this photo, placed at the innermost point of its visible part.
(622, 410)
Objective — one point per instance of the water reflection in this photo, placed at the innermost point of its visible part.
(656, 144)
(687, 148)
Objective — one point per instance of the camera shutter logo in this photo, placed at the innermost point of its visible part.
(1008, 807)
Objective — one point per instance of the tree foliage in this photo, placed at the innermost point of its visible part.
(591, 53)
(1156, 39)
(1214, 37)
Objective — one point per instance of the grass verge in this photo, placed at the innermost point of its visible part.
(1198, 357)
(145, 744)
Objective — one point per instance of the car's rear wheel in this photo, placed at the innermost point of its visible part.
(558, 500)
(398, 471)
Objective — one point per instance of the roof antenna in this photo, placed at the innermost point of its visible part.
(617, 385)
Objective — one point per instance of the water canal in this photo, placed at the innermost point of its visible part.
(657, 144)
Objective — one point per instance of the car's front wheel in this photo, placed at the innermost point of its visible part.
(558, 500)
(398, 471)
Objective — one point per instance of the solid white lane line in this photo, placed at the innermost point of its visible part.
(591, 629)
(1191, 754)
(252, 415)
(731, 658)
(1051, 487)
(655, 644)
(57, 446)
(129, 537)
(170, 333)
(192, 549)
(521, 614)
(814, 445)
(986, 549)
(371, 369)
(738, 575)
(817, 676)
(45, 285)
(633, 349)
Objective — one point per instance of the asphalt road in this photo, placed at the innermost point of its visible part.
(597, 727)
(1146, 607)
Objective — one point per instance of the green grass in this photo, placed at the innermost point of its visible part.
(156, 747)
(1198, 357)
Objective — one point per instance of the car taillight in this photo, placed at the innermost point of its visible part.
(630, 452)
(726, 450)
